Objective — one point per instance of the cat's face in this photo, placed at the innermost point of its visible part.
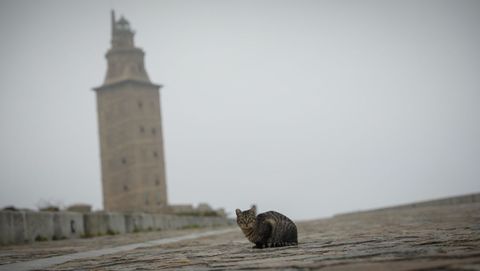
(246, 219)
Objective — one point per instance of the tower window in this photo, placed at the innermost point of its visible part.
(157, 181)
(124, 160)
(140, 104)
(155, 154)
(125, 188)
(154, 131)
(146, 199)
(142, 129)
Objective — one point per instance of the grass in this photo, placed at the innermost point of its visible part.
(209, 213)
(136, 230)
(87, 235)
(41, 238)
(191, 226)
(111, 232)
(55, 238)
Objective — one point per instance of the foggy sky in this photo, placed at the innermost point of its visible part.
(309, 108)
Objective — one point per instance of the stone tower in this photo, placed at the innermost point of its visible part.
(130, 129)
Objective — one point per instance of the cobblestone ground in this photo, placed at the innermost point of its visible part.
(427, 238)
(18, 253)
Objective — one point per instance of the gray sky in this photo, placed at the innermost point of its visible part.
(306, 107)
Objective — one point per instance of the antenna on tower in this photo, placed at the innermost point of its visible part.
(113, 22)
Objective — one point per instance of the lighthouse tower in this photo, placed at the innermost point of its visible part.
(130, 129)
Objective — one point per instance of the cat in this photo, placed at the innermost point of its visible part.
(269, 229)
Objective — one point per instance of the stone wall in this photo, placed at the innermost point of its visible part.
(101, 223)
(68, 225)
(27, 226)
(465, 199)
(449, 201)
(12, 227)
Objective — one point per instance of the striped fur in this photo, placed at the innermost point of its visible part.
(269, 229)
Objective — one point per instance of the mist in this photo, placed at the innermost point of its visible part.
(310, 108)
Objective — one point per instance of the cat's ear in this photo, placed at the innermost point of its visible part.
(238, 212)
(254, 208)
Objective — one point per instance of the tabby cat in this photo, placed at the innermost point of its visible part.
(270, 229)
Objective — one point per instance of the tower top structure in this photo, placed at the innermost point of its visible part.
(125, 61)
(122, 34)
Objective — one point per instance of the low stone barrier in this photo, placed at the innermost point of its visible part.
(101, 223)
(27, 226)
(135, 222)
(160, 222)
(68, 225)
(12, 227)
(39, 226)
(450, 201)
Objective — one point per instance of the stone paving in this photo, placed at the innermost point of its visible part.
(426, 238)
(37, 250)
